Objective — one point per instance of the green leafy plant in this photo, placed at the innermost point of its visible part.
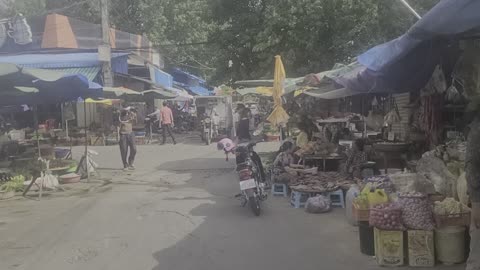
(16, 184)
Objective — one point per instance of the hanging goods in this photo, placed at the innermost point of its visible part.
(20, 31)
(393, 116)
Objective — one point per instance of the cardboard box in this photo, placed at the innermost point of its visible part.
(360, 214)
(389, 247)
(421, 248)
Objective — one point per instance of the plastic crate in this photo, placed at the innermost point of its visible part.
(462, 219)
(337, 198)
(299, 199)
(279, 189)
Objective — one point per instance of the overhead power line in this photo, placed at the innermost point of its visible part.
(406, 4)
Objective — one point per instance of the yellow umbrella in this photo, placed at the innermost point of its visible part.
(279, 116)
(266, 91)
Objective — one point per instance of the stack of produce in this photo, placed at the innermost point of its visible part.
(450, 212)
(387, 217)
(320, 148)
(321, 182)
(450, 206)
(380, 182)
(443, 166)
(416, 211)
(314, 186)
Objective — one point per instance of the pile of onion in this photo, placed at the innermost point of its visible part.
(387, 217)
(416, 211)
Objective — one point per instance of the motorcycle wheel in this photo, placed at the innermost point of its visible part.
(254, 205)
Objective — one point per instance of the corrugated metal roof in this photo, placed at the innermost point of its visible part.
(89, 72)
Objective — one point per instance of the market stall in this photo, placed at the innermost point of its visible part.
(36, 87)
(418, 215)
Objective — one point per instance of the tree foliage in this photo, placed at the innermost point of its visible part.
(310, 35)
(227, 40)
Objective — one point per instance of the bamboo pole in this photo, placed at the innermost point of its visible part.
(86, 139)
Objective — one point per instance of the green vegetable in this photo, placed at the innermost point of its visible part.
(16, 184)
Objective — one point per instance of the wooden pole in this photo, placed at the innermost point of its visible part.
(106, 67)
(86, 139)
(35, 124)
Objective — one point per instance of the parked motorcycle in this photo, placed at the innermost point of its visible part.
(207, 130)
(249, 171)
(183, 123)
(151, 127)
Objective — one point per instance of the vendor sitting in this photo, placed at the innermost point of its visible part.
(356, 158)
(302, 138)
(284, 160)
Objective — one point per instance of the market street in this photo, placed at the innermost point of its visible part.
(175, 212)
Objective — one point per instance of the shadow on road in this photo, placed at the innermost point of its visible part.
(226, 227)
(227, 236)
(231, 237)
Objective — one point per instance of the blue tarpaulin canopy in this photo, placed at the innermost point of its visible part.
(66, 60)
(195, 85)
(33, 86)
(450, 19)
(406, 63)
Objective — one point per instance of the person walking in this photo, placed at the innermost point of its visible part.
(243, 128)
(166, 118)
(127, 138)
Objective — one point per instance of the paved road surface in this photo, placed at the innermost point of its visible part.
(175, 212)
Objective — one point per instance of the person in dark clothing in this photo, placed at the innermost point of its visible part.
(472, 170)
(356, 157)
(243, 130)
(127, 139)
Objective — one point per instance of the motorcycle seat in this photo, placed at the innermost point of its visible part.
(247, 144)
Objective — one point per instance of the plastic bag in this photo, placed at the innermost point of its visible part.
(437, 172)
(378, 196)
(375, 196)
(416, 211)
(318, 204)
(462, 189)
(381, 182)
(412, 182)
(386, 217)
(374, 121)
(352, 193)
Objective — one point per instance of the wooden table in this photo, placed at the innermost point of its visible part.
(323, 158)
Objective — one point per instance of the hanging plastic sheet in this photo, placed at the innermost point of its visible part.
(406, 63)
